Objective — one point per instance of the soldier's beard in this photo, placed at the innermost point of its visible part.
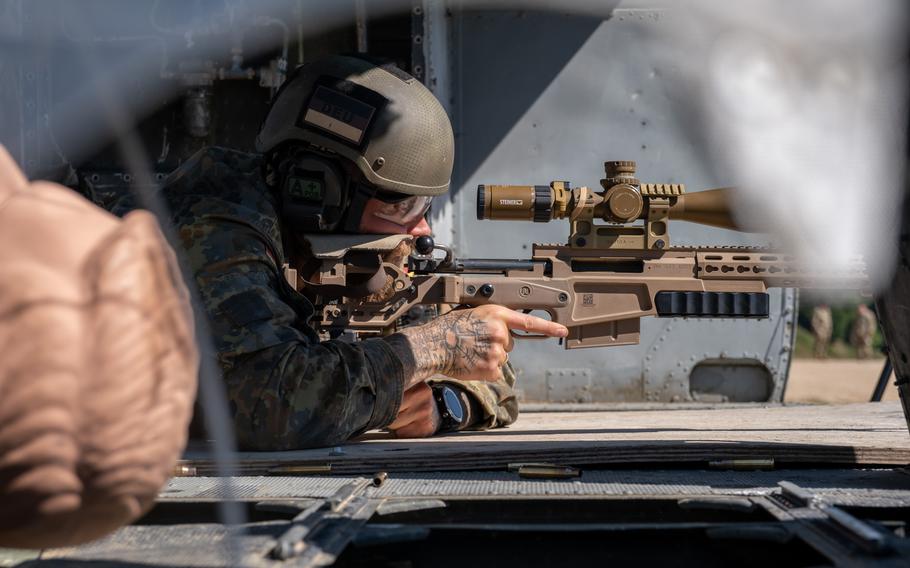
(398, 256)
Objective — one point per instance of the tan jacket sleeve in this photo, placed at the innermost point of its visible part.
(99, 364)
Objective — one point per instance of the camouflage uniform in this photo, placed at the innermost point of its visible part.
(822, 328)
(287, 389)
(862, 333)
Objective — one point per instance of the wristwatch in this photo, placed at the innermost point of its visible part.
(452, 409)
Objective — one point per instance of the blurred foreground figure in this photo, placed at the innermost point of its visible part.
(98, 372)
(862, 333)
(822, 327)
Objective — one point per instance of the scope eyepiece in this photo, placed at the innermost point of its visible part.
(515, 202)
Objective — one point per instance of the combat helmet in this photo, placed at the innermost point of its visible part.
(380, 118)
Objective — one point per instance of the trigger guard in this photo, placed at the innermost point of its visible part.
(517, 335)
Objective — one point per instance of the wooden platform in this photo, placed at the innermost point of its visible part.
(866, 434)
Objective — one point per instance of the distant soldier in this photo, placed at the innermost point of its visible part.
(863, 331)
(821, 330)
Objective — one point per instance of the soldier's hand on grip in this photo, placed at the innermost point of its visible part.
(470, 344)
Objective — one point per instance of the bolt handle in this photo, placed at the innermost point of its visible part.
(424, 245)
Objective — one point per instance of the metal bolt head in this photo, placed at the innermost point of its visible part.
(486, 290)
(659, 244)
(563, 297)
(424, 244)
(471, 289)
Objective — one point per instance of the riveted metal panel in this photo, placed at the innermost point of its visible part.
(537, 97)
(11, 88)
(569, 385)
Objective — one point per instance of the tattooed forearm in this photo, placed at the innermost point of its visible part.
(452, 345)
(470, 344)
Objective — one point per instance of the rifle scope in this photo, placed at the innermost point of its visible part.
(619, 203)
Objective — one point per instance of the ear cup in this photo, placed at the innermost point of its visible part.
(314, 192)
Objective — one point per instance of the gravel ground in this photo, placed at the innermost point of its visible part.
(835, 381)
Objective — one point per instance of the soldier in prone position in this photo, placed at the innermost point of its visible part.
(348, 146)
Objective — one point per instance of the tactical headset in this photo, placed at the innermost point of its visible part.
(315, 190)
(319, 194)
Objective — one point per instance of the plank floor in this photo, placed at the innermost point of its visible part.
(868, 433)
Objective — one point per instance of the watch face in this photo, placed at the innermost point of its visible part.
(453, 404)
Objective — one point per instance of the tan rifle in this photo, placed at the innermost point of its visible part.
(617, 266)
